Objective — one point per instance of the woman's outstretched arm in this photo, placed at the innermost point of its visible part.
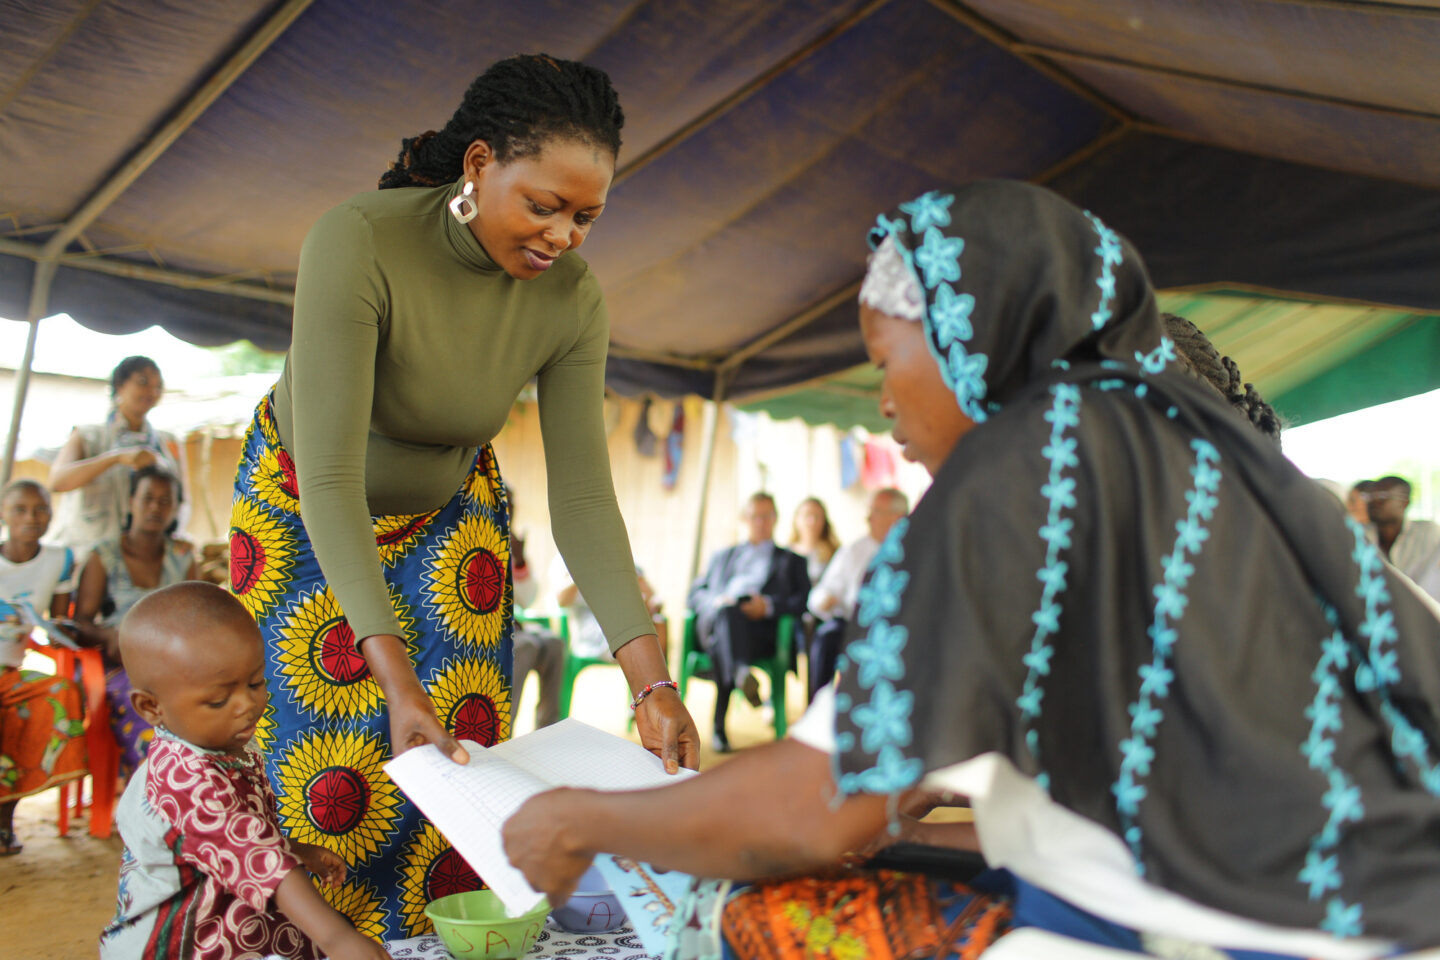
(765, 813)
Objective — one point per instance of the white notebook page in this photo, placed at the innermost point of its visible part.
(469, 804)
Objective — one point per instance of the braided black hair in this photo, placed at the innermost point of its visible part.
(1201, 360)
(516, 106)
(127, 368)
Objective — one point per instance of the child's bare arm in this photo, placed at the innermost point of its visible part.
(301, 903)
(329, 868)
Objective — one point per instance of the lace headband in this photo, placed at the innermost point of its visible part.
(890, 285)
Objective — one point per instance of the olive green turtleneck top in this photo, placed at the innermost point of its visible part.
(410, 345)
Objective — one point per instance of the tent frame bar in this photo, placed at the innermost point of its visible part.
(49, 259)
(796, 323)
(744, 92)
(1058, 53)
(154, 147)
(1008, 42)
(228, 285)
(60, 40)
(1368, 6)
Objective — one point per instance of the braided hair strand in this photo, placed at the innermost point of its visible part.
(1205, 363)
(516, 106)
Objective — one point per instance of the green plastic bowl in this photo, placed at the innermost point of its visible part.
(474, 926)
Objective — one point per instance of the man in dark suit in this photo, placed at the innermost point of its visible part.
(745, 590)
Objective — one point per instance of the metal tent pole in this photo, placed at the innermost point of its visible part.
(39, 299)
(712, 433)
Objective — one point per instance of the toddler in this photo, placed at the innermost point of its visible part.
(206, 870)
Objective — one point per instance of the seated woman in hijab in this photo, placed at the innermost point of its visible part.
(1187, 700)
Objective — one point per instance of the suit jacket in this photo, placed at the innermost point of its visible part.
(787, 587)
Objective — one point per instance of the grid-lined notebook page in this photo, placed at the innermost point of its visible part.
(469, 804)
(574, 754)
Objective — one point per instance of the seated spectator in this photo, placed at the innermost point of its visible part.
(142, 559)
(737, 602)
(1413, 546)
(535, 648)
(586, 637)
(812, 537)
(1357, 501)
(40, 714)
(832, 600)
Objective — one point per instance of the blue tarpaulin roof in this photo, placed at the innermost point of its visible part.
(174, 155)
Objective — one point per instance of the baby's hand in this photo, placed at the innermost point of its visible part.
(321, 862)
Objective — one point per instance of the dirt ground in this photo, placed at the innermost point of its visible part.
(58, 894)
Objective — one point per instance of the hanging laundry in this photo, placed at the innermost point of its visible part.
(674, 446)
(881, 464)
(646, 442)
(849, 461)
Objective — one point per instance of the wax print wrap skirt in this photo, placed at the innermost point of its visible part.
(41, 732)
(325, 734)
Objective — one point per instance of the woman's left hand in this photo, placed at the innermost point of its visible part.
(540, 842)
(667, 730)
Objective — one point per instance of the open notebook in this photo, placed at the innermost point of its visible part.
(470, 803)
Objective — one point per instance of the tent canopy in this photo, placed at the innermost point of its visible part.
(165, 160)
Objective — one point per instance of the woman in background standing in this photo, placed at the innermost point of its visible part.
(95, 464)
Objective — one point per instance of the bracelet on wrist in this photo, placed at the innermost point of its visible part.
(651, 688)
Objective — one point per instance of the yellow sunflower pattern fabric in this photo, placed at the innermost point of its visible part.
(325, 735)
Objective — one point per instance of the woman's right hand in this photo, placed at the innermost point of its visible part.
(413, 724)
(412, 716)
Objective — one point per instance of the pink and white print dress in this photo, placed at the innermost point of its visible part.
(203, 857)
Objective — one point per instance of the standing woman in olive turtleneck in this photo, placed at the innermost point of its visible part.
(369, 535)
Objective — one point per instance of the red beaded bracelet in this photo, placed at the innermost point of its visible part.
(640, 697)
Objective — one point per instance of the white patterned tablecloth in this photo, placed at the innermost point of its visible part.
(621, 944)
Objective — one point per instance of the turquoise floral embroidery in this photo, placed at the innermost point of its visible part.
(1155, 360)
(884, 718)
(1156, 676)
(884, 227)
(967, 379)
(928, 210)
(880, 597)
(1111, 255)
(1321, 872)
(876, 660)
(878, 655)
(938, 257)
(892, 551)
(1343, 920)
(950, 315)
(1380, 668)
(892, 772)
(936, 262)
(1059, 491)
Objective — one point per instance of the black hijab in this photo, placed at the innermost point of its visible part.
(1119, 585)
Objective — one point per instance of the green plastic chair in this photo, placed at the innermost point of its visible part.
(693, 660)
(560, 624)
